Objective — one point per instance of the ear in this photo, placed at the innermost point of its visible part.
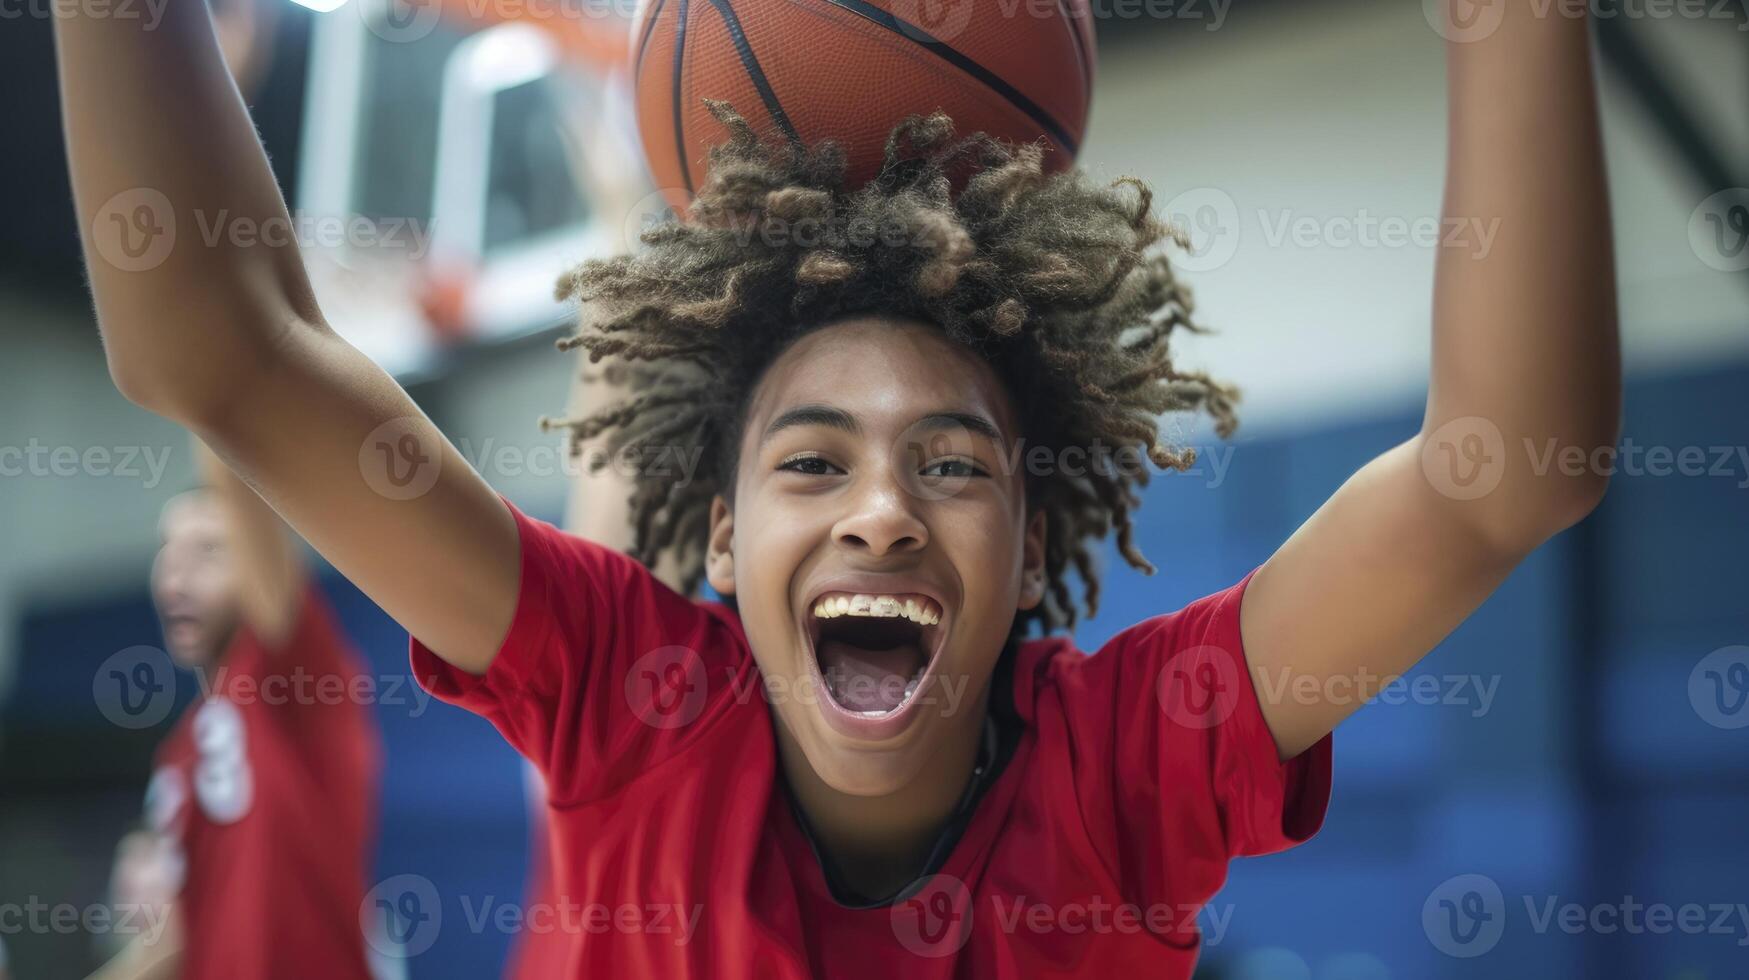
(1032, 562)
(719, 557)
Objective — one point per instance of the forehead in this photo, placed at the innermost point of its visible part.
(190, 515)
(886, 372)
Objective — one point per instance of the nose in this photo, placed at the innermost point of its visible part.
(882, 519)
(169, 578)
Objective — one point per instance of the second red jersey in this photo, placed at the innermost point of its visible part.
(267, 787)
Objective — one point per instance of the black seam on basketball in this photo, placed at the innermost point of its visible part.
(644, 42)
(757, 74)
(679, 124)
(959, 60)
(1083, 50)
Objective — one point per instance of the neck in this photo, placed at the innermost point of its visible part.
(877, 844)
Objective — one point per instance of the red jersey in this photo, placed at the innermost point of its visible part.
(267, 785)
(1136, 774)
(539, 949)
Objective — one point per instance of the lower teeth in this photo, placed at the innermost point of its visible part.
(841, 695)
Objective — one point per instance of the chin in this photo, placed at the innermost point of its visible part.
(859, 771)
(189, 657)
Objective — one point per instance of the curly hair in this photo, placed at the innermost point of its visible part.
(1048, 277)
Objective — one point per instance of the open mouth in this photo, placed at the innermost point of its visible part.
(873, 653)
(179, 627)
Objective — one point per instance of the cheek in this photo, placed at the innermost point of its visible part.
(988, 537)
(770, 545)
(213, 585)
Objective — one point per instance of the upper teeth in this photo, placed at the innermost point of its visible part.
(881, 606)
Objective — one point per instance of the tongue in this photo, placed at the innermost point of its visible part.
(860, 679)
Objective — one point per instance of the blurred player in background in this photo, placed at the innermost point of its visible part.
(263, 798)
(142, 885)
(262, 806)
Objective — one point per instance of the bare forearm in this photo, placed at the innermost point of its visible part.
(165, 163)
(270, 572)
(148, 957)
(1525, 336)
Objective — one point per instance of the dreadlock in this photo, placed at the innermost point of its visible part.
(1046, 276)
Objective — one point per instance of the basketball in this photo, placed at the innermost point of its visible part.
(850, 70)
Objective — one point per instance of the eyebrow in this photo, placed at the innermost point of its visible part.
(975, 424)
(805, 415)
(837, 418)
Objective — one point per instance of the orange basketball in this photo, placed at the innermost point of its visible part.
(849, 70)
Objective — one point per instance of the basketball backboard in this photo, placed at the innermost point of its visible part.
(464, 161)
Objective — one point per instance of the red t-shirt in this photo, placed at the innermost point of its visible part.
(1140, 771)
(268, 785)
(537, 954)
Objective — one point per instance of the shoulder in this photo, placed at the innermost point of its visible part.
(1134, 660)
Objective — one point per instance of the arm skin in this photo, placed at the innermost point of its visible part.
(270, 572)
(1524, 337)
(145, 959)
(226, 339)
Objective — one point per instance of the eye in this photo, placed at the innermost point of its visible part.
(953, 469)
(808, 465)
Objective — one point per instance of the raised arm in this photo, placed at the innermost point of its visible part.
(226, 339)
(270, 572)
(1525, 359)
